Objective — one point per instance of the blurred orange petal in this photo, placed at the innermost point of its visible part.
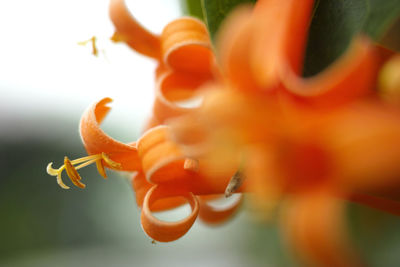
(214, 215)
(352, 76)
(313, 222)
(130, 31)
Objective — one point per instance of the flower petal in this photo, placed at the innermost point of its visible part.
(364, 140)
(313, 223)
(350, 77)
(254, 46)
(186, 46)
(141, 186)
(166, 231)
(173, 87)
(234, 41)
(164, 163)
(162, 160)
(130, 30)
(281, 29)
(96, 141)
(212, 215)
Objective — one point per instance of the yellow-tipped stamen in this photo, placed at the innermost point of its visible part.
(100, 169)
(71, 170)
(60, 182)
(111, 163)
(50, 170)
(234, 184)
(92, 40)
(73, 173)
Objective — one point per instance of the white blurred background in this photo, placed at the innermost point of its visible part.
(45, 73)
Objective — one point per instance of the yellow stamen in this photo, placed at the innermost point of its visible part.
(71, 170)
(234, 184)
(73, 173)
(92, 40)
(100, 169)
(111, 163)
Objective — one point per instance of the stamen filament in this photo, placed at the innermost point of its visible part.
(110, 162)
(87, 163)
(71, 170)
(75, 161)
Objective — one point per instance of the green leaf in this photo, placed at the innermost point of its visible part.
(192, 8)
(215, 11)
(381, 15)
(336, 22)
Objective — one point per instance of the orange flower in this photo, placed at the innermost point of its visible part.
(164, 177)
(183, 52)
(311, 143)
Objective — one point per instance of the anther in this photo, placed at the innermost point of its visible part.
(72, 172)
(92, 40)
(191, 165)
(234, 184)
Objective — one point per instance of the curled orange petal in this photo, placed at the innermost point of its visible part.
(234, 41)
(173, 87)
(141, 186)
(186, 46)
(281, 29)
(350, 77)
(166, 231)
(162, 159)
(130, 31)
(164, 163)
(253, 47)
(213, 215)
(96, 141)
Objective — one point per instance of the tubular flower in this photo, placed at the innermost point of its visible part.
(183, 52)
(164, 177)
(311, 143)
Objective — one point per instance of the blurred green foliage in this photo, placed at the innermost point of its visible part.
(334, 24)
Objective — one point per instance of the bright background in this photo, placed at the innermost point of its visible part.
(46, 82)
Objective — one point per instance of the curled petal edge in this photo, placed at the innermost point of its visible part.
(141, 186)
(166, 231)
(350, 77)
(129, 30)
(185, 38)
(96, 141)
(173, 87)
(162, 159)
(212, 215)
